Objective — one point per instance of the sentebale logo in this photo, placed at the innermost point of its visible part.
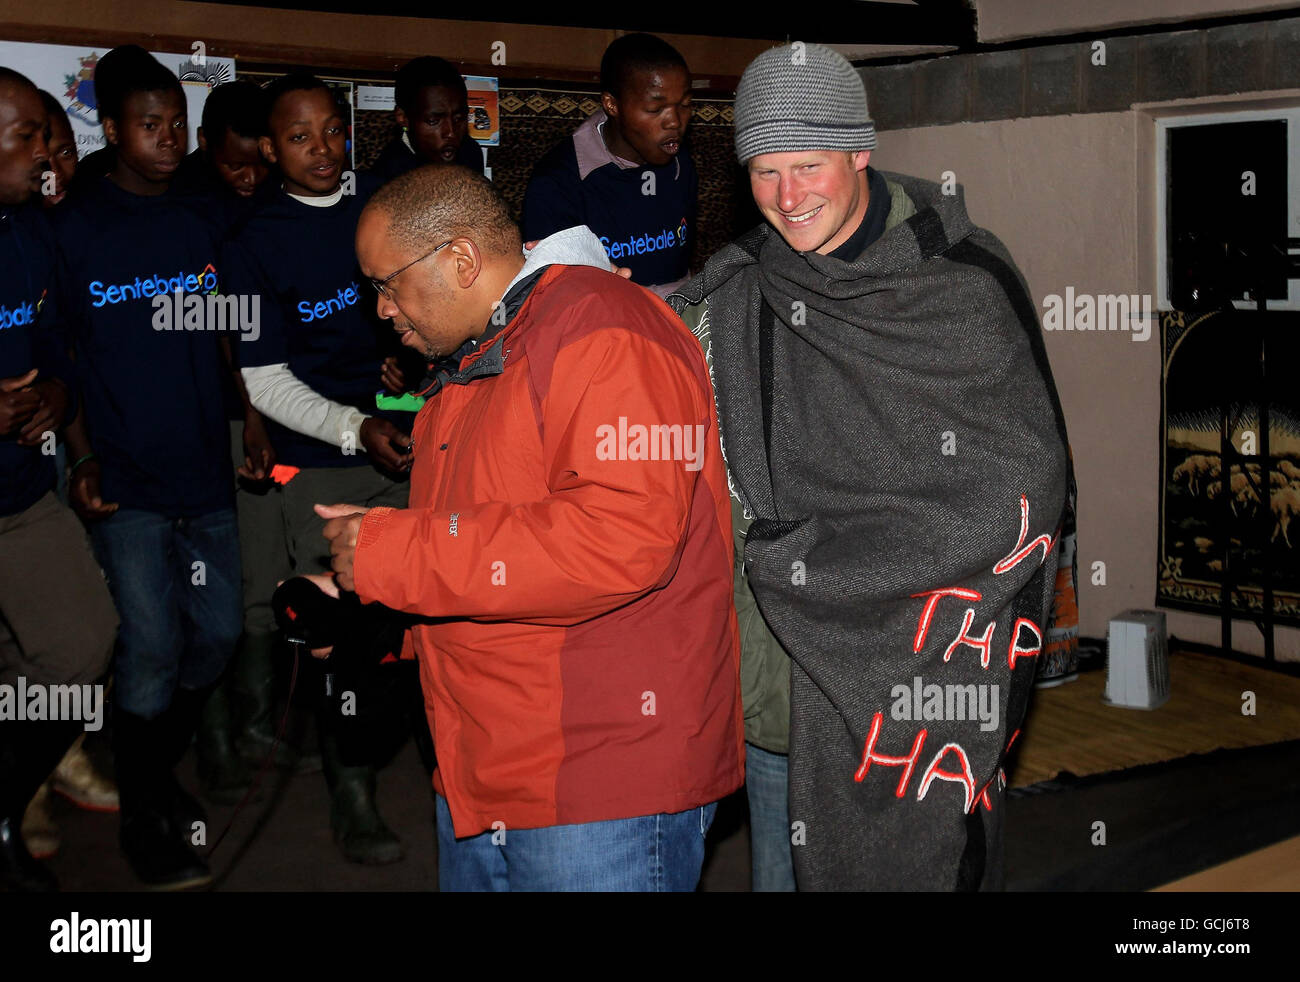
(309, 311)
(639, 245)
(20, 316)
(152, 285)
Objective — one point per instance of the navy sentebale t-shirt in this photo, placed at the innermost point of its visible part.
(29, 338)
(650, 233)
(318, 312)
(149, 362)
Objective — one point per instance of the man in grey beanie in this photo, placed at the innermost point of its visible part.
(893, 433)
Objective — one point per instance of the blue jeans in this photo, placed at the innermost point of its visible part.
(652, 853)
(180, 621)
(767, 785)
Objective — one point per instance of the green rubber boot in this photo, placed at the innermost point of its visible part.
(224, 775)
(252, 684)
(359, 831)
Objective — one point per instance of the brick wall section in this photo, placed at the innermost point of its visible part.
(1056, 79)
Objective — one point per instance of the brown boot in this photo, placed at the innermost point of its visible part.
(77, 779)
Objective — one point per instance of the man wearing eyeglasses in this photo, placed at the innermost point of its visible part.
(569, 542)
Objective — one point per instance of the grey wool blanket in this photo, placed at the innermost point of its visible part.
(907, 481)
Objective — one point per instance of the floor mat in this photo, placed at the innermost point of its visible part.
(1148, 826)
(1070, 729)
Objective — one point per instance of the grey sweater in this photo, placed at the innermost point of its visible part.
(912, 442)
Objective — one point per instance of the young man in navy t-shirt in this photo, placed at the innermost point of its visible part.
(624, 173)
(314, 373)
(57, 621)
(151, 467)
(77, 777)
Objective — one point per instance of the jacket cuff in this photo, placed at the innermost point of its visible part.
(367, 562)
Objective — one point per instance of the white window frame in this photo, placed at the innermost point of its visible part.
(1164, 124)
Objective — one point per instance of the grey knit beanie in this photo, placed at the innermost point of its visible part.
(801, 96)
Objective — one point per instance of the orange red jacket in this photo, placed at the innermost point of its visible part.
(583, 662)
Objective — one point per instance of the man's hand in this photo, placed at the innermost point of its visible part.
(259, 454)
(48, 417)
(387, 445)
(622, 271)
(342, 526)
(19, 401)
(83, 493)
(392, 376)
(327, 585)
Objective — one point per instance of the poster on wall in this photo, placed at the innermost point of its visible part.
(67, 72)
(484, 114)
(375, 98)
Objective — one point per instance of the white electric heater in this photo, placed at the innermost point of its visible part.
(1137, 665)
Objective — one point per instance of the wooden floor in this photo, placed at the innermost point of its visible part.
(1069, 727)
(1274, 868)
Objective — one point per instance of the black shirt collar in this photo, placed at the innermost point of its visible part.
(872, 225)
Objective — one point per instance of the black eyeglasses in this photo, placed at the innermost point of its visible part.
(381, 286)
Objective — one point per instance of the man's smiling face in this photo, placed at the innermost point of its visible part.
(815, 198)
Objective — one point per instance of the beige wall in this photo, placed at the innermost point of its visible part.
(1004, 20)
(1073, 199)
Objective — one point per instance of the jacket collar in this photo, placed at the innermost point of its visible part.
(483, 356)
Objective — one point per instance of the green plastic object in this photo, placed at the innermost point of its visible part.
(407, 402)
